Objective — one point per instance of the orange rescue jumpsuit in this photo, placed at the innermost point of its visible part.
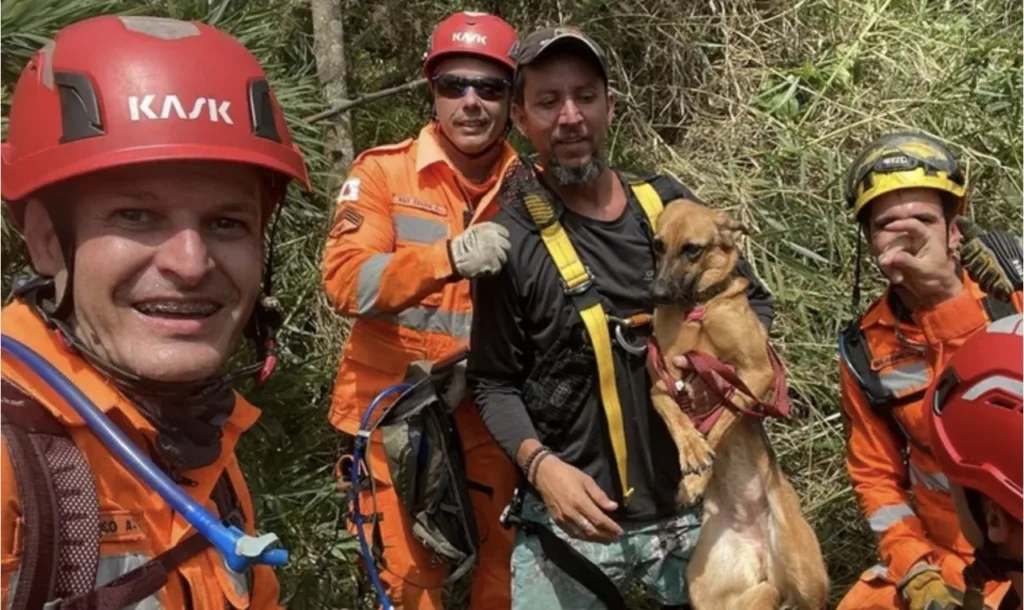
(386, 264)
(907, 504)
(140, 525)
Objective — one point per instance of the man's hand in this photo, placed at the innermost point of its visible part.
(480, 250)
(575, 502)
(920, 263)
(992, 259)
(703, 397)
(927, 591)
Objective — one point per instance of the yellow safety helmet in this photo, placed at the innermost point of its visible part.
(900, 161)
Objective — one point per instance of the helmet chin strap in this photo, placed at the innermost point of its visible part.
(988, 564)
(261, 328)
(38, 293)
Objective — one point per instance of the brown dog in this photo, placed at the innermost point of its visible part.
(756, 549)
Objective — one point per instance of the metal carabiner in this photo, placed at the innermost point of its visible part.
(636, 350)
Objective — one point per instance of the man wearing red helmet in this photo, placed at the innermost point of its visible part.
(144, 159)
(411, 226)
(977, 435)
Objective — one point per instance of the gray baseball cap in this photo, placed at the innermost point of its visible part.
(536, 44)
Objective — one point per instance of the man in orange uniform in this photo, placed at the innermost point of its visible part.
(410, 229)
(145, 157)
(905, 191)
(977, 433)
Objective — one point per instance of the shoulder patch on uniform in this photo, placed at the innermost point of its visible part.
(346, 220)
(898, 356)
(349, 190)
(384, 149)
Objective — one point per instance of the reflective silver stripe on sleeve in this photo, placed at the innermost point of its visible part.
(426, 319)
(419, 230)
(888, 516)
(935, 481)
(368, 283)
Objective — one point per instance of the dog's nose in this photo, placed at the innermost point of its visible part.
(660, 292)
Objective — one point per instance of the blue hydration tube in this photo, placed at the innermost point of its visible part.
(240, 550)
(358, 455)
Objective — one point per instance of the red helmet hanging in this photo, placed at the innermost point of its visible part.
(112, 91)
(977, 426)
(466, 33)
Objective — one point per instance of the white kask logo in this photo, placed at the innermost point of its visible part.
(203, 108)
(469, 38)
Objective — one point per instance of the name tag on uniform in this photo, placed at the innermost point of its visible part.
(121, 526)
(894, 358)
(412, 202)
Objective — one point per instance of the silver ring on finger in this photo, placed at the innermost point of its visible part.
(585, 525)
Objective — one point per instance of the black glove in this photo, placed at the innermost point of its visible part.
(995, 260)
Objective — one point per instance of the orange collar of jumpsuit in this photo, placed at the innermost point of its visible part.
(881, 314)
(430, 152)
(21, 323)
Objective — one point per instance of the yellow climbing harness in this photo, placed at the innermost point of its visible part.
(578, 282)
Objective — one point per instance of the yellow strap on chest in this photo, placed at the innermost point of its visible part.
(650, 201)
(577, 281)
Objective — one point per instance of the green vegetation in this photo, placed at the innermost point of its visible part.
(756, 104)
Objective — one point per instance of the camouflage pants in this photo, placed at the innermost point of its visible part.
(654, 554)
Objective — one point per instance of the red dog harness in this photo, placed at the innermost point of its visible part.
(706, 367)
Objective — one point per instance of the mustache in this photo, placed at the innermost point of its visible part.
(570, 138)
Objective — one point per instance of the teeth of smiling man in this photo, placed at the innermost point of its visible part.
(178, 308)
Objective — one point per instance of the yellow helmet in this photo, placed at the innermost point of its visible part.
(900, 161)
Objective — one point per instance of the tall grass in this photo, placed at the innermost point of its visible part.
(757, 105)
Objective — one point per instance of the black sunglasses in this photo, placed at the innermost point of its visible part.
(453, 86)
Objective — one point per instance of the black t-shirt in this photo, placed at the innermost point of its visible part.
(521, 312)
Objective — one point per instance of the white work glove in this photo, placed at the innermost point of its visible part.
(480, 250)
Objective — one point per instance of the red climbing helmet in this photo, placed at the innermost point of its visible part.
(112, 91)
(467, 33)
(977, 426)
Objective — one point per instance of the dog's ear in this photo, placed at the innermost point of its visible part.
(730, 229)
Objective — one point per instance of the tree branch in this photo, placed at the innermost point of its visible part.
(362, 99)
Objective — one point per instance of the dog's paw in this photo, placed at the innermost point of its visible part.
(696, 455)
(692, 488)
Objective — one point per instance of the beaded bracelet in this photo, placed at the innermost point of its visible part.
(530, 459)
(536, 466)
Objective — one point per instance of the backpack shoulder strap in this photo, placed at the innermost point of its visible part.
(856, 357)
(59, 503)
(578, 285)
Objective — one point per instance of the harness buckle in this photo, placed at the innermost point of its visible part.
(580, 289)
(510, 514)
